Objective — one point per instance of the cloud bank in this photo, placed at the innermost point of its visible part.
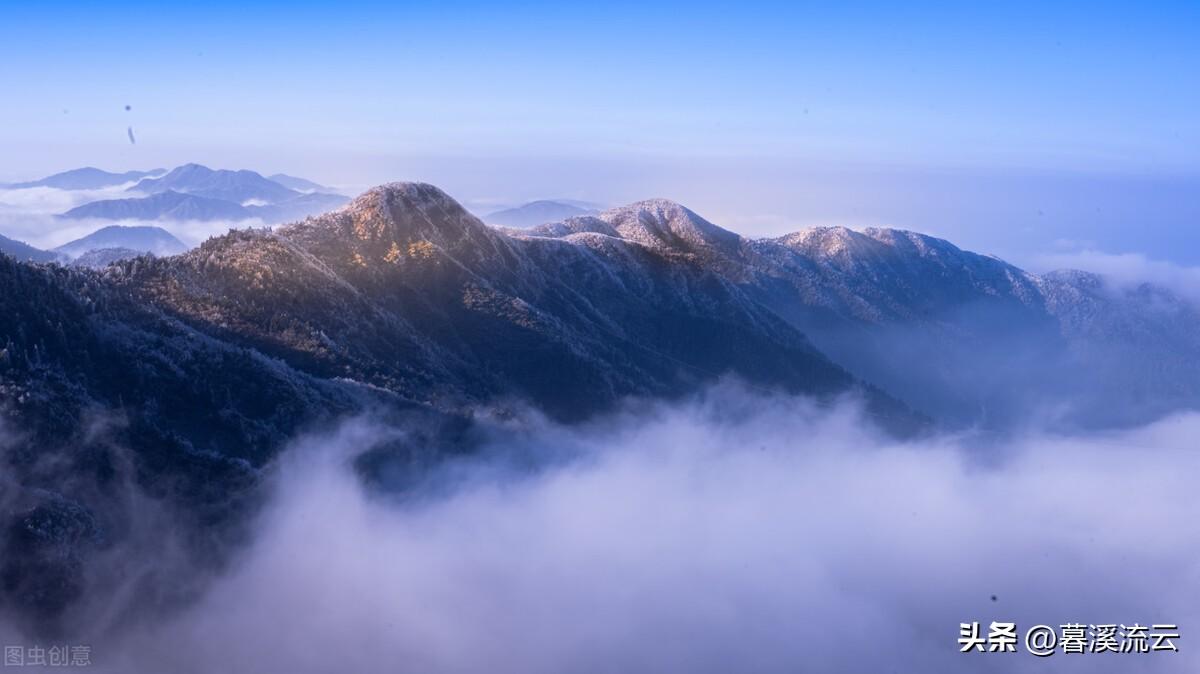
(28, 215)
(729, 533)
(1127, 270)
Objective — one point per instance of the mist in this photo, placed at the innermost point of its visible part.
(728, 532)
(51, 200)
(29, 215)
(1128, 270)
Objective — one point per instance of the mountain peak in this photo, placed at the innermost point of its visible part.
(837, 241)
(391, 207)
(665, 224)
(387, 220)
(824, 242)
(189, 171)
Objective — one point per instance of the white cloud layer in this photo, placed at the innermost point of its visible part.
(28, 215)
(51, 200)
(734, 534)
(47, 232)
(1128, 269)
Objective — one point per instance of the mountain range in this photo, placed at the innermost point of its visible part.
(168, 205)
(238, 187)
(966, 338)
(87, 178)
(195, 192)
(178, 206)
(195, 369)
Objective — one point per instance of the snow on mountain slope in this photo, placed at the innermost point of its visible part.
(406, 290)
(99, 258)
(966, 338)
(666, 226)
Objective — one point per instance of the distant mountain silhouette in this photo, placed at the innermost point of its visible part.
(87, 178)
(25, 252)
(239, 187)
(168, 205)
(154, 240)
(536, 213)
(299, 208)
(178, 206)
(299, 184)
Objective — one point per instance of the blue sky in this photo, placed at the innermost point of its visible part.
(763, 116)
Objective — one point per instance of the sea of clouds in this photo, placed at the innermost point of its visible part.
(29, 215)
(728, 533)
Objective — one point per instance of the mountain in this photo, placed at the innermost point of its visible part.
(240, 187)
(299, 184)
(299, 208)
(168, 205)
(536, 213)
(966, 338)
(100, 258)
(125, 411)
(87, 178)
(409, 292)
(178, 206)
(977, 339)
(25, 252)
(143, 239)
(184, 376)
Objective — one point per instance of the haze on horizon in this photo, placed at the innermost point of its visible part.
(1053, 131)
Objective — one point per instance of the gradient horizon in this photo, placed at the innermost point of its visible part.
(1018, 131)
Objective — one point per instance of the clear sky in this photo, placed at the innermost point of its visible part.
(1010, 127)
